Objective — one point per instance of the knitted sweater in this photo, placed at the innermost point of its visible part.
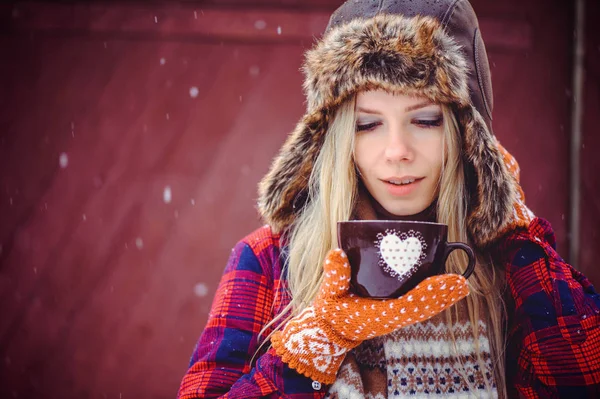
(553, 325)
(420, 360)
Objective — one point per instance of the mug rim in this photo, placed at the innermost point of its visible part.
(391, 221)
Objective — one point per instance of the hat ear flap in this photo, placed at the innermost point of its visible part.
(283, 192)
(491, 187)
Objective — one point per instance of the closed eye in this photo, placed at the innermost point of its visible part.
(367, 126)
(429, 123)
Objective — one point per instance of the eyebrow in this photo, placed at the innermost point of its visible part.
(418, 106)
(407, 109)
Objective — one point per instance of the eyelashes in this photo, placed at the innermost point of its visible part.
(367, 126)
(423, 123)
(429, 122)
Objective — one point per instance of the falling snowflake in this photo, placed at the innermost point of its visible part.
(139, 243)
(260, 24)
(163, 61)
(254, 70)
(194, 92)
(279, 30)
(63, 160)
(200, 289)
(167, 195)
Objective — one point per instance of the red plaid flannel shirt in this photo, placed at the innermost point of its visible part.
(554, 320)
(553, 338)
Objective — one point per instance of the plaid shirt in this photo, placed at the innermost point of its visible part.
(553, 338)
(554, 320)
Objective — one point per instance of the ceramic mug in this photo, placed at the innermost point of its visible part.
(388, 257)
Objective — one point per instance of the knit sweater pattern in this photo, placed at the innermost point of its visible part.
(420, 360)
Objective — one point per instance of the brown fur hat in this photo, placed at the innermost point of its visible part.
(435, 51)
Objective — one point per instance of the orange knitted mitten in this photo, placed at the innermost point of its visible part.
(315, 342)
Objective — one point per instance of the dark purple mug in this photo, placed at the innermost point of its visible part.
(388, 257)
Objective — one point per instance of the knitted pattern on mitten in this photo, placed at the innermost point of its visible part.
(315, 342)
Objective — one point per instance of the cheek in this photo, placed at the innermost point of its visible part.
(435, 155)
(363, 153)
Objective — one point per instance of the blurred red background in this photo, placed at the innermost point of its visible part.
(132, 137)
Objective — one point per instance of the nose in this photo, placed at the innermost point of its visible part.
(398, 147)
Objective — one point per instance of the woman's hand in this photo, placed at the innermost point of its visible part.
(315, 342)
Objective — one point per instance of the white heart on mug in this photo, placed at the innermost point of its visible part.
(400, 255)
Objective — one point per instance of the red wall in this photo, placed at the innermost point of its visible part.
(104, 283)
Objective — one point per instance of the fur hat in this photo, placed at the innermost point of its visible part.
(430, 48)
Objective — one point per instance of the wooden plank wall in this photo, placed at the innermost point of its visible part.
(132, 136)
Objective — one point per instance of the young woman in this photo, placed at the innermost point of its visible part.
(398, 126)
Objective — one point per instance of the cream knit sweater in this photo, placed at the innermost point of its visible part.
(419, 361)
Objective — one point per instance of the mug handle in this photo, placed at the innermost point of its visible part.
(451, 246)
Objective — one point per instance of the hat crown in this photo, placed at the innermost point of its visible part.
(458, 19)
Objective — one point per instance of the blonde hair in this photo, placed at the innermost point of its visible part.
(332, 190)
(332, 194)
(485, 300)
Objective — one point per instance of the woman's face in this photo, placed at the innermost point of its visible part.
(399, 150)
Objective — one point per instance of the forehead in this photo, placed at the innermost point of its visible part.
(382, 100)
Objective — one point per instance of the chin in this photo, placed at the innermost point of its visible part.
(406, 209)
(406, 212)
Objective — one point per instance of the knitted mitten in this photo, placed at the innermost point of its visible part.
(315, 342)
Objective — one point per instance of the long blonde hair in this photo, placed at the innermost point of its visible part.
(332, 194)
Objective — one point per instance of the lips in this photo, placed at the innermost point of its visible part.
(402, 181)
(402, 186)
